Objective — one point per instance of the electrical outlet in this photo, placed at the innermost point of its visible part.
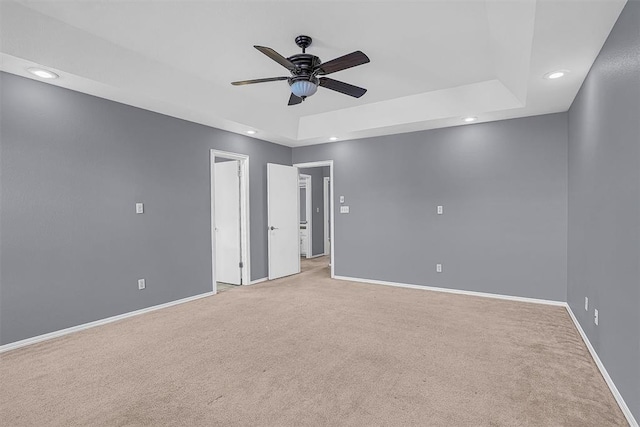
(141, 284)
(440, 210)
(344, 209)
(438, 268)
(595, 317)
(139, 208)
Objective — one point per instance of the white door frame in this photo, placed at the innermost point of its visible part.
(326, 192)
(244, 215)
(331, 185)
(308, 208)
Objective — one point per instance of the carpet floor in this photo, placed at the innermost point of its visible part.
(308, 350)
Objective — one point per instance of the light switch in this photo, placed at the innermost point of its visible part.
(440, 210)
(344, 209)
(341, 199)
(317, 210)
(142, 284)
(438, 268)
(139, 208)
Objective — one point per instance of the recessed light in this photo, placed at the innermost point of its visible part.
(251, 132)
(333, 138)
(555, 74)
(469, 119)
(45, 74)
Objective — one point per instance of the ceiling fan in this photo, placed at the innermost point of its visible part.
(305, 69)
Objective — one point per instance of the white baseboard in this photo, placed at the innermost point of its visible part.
(315, 256)
(56, 334)
(614, 390)
(454, 291)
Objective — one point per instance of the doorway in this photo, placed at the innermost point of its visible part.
(319, 218)
(306, 215)
(326, 202)
(283, 216)
(229, 220)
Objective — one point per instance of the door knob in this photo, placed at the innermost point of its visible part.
(273, 228)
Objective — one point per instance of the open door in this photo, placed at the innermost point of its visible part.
(283, 221)
(227, 222)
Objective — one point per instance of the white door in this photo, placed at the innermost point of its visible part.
(227, 220)
(283, 220)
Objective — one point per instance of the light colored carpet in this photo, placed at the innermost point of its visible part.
(307, 264)
(222, 287)
(306, 350)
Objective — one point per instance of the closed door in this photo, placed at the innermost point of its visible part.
(227, 222)
(283, 220)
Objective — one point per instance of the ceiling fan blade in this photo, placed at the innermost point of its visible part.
(248, 82)
(352, 59)
(277, 57)
(342, 87)
(294, 100)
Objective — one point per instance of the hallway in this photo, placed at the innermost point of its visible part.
(308, 264)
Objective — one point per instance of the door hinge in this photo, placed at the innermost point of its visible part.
(241, 265)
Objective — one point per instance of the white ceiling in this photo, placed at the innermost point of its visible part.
(432, 62)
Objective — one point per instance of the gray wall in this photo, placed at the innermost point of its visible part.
(303, 204)
(317, 203)
(604, 205)
(72, 168)
(503, 186)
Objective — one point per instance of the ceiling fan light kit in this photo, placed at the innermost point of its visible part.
(304, 88)
(305, 69)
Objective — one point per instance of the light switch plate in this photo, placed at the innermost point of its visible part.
(139, 208)
(341, 199)
(438, 268)
(344, 209)
(440, 210)
(596, 318)
(586, 303)
(142, 284)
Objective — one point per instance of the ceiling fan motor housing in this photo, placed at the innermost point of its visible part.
(303, 82)
(305, 63)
